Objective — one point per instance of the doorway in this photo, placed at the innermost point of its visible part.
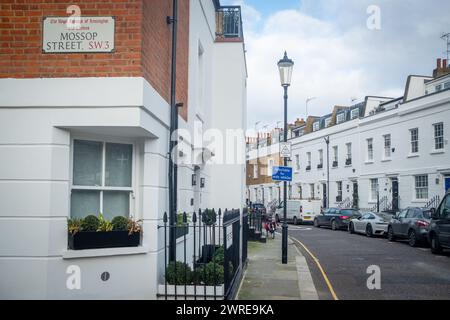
(447, 183)
(355, 195)
(395, 197)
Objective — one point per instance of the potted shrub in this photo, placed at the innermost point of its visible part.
(94, 232)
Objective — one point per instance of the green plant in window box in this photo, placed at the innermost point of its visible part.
(90, 224)
(104, 224)
(74, 225)
(120, 223)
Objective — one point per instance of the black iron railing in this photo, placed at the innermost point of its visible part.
(434, 202)
(229, 22)
(208, 255)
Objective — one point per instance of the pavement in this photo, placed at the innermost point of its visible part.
(266, 278)
(406, 273)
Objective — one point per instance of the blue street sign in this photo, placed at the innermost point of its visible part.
(282, 174)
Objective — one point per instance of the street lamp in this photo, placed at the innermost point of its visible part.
(285, 67)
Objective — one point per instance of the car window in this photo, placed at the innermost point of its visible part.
(371, 216)
(365, 216)
(445, 207)
(410, 213)
(331, 211)
(425, 214)
(403, 214)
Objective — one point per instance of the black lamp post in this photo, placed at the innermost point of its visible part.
(285, 67)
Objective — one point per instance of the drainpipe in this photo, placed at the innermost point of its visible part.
(172, 144)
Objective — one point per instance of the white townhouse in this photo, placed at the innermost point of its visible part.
(88, 132)
(390, 152)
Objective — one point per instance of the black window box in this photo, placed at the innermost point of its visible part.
(103, 240)
(348, 162)
(308, 168)
(335, 164)
(182, 231)
(320, 166)
(338, 199)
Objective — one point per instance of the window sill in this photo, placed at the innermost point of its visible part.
(369, 162)
(437, 151)
(413, 155)
(348, 165)
(93, 253)
(386, 160)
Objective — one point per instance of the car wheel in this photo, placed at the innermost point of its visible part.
(390, 234)
(316, 223)
(351, 228)
(435, 245)
(369, 231)
(333, 225)
(412, 238)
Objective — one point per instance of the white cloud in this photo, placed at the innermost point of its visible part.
(337, 59)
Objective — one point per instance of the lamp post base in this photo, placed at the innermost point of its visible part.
(284, 244)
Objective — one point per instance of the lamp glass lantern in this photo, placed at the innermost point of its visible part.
(285, 67)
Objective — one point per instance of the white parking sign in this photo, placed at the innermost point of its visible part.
(285, 150)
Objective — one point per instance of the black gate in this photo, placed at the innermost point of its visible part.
(208, 263)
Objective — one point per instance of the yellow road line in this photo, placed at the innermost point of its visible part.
(325, 277)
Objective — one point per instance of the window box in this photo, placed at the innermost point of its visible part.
(335, 164)
(348, 162)
(101, 240)
(182, 231)
(308, 168)
(338, 199)
(320, 166)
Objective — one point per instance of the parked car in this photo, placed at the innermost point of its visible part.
(439, 230)
(370, 224)
(299, 211)
(336, 218)
(412, 224)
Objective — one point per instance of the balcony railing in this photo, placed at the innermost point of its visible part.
(229, 23)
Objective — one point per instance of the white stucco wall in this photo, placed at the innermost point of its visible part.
(39, 119)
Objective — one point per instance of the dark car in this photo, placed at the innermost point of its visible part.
(336, 218)
(439, 230)
(410, 223)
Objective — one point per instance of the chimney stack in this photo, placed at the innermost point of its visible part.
(441, 69)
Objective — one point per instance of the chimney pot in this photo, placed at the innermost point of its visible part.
(439, 63)
(444, 63)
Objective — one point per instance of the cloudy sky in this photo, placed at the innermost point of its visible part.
(337, 57)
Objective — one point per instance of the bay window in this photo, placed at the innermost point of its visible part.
(101, 179)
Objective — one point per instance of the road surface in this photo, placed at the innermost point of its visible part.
(406, 273)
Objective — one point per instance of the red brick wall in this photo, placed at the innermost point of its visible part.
(142, 42)
(157, 63)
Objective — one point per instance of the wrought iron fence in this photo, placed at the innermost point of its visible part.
(208, 262)
(434, 202)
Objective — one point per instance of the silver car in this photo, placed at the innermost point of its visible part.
(370, 224)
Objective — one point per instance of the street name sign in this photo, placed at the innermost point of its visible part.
(285, 150)
(282, 174)
(81, 34)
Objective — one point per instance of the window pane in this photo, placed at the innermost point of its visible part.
(87, 163)
(84, 203)
(118, 165)
(116, 203)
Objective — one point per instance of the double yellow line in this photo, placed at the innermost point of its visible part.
(324, 275)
